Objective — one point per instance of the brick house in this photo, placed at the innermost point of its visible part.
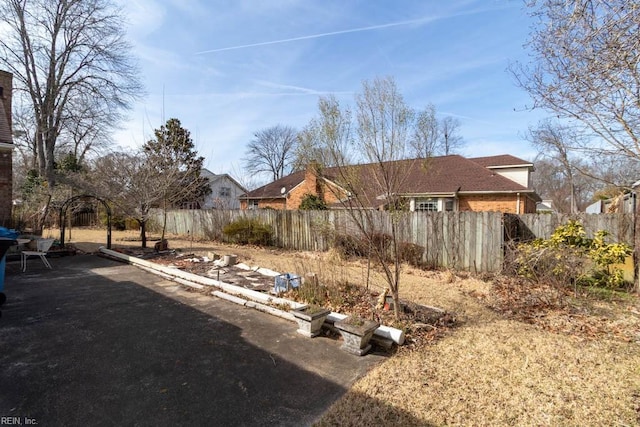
(448, 183)
(6, 148)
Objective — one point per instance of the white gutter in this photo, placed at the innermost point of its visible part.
(237, 294)
(427, 195)
(518, 166)
(496, 192)
(7, 145)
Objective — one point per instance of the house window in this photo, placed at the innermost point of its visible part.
(427, 206)
(448, 205)
(225, 192)
(253, 204)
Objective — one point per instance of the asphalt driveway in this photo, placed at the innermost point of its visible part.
(96, 342)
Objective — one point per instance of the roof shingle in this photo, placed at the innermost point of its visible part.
(446, 174)
(500, 160)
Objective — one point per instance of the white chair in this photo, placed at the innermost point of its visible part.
(43, 246)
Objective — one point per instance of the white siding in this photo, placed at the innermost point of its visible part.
(224, 193)
(519, 175)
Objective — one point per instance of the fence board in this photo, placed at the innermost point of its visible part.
(619, 225)
(462, 240)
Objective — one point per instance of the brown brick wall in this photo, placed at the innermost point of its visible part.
(6, 170)
(6, 195)
(310, 185)
(505, 203)
(332, 194)
(266, 203)
(6, 83)
(322, 189)
(296, 195)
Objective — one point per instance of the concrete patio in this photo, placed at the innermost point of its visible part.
(96, 342)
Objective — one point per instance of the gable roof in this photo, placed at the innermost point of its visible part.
(273, 190)
(500, 161)
(451, 174)
(213, 177)
(454, 173)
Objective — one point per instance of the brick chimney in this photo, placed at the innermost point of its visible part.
(6, 148)
(311, 182)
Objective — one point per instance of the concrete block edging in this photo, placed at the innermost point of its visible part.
(239, 295)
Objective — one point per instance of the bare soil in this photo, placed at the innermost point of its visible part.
(517, 355)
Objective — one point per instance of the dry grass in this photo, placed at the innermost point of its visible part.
(491, 370)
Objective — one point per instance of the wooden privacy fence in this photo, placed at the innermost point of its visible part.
(471, 241)
(531, 226)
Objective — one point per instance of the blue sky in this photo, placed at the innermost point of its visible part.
(228, 68)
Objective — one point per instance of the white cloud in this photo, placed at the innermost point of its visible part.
(144, 16)
(266, 63)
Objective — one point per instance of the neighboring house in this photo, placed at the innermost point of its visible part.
(225, 191)
(448, 183)
(6, 148)
(624, 203)
(545, 206)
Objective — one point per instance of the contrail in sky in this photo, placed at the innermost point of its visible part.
(315, 36)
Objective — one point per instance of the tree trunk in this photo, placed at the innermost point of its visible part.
(43, 217)
(143, 232)
(50, 162)
(636, 244)
(396, 302)
(164, 219)
(42, 165)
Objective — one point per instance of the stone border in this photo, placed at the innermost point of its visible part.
(246, 297)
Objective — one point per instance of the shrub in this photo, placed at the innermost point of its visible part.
(347, 245)
(118, 221)
(248, 231)
(312, 202)
(604, 255)
(569, 257)
(381, 242)
(411, 253)
(541, 262)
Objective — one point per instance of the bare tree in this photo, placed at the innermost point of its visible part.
(327, 138)
(85, 132)
(272, 151)
(586, 68)
(424, 141)
(71, 63)
(130, 185)
(383, 124)
(433, 137)
(550, 182)
(615, 171)
(164, 173)
(450, 139)
(554, 141)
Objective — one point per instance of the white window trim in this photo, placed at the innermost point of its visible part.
(440, 202)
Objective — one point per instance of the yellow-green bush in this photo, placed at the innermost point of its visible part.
(568, 257)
